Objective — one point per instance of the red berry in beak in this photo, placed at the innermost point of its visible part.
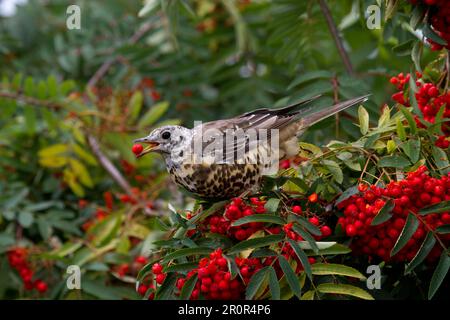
(137, 149)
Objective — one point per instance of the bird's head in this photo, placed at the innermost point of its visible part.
(164, 140)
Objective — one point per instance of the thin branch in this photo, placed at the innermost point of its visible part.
(104, 68)
(337, 39)
(30, 100)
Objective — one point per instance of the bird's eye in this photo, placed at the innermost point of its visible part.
(166, 135)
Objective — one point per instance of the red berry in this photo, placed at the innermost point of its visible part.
(157, 268)
(137, 149)
(326, 231)
(160, 278)
(313, 197)
(350, 230)
(297, 209)
(41, 286)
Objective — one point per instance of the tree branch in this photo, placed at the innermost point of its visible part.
(30, 100)
(337, 39)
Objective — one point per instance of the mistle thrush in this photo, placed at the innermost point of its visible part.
(225, 158)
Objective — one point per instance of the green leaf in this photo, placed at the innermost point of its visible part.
(291, 277)
(430, 34)
(363, 116)
(153, 115)
(412, 149)
(274, 285)
(409, 117)
(302, 257)
(255, 283)
(335, 170)
(181, 267)
(347, 194)
(384, 214)
(445, 229)
(344, 289)
(412, 96)
(305, 235)
(269, 218)
(25, 219)
(435, 208)
(307, 225)
(165, 291)
(423, 252)
(206, 213)
(186, 252)
(256, 243)
(401, 130)
(416, 54)
(441, 159)
(333, 250)
(394, 162)
(336, 269)
(439, 274)
(188, 287)
(272, 205)
(135, 105)
(404, 48)
(409, 229)
(320, 74)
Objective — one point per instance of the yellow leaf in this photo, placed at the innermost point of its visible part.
(83, 154)
(53, 150)
(53, 162)
(81, 173)
(71, 180)
(138, 231)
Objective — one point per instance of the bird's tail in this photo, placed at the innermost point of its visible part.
(308, 117)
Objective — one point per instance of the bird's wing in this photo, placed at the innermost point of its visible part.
(232, 135)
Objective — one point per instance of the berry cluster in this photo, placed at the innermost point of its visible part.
(221, 223)
(418, 190)
(17, 258)
(214, 279)
(429, 100)
(439, 15)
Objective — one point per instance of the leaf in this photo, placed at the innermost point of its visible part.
(412, 96)
(255, 283)
(256, 243)
(344, 289)
(53, 150)
(333, 250)
(441, 159)
(409, 117)
(423, 252)
(81, 173)
(165, 291)
(335, 170)
(181, 267)
(405, 48)
(435, 208)
(188, 287)
(385, 117)
(430, 34)
(135, 106)
(269, 218)
(308, 295)
(416, 54)
(153, 115)
(105, 230)
(401, 130)
(394, 162)
(320, 74)
(336, 269)
(186, 252)
(347, 194)
(439, 274)
(384, 214)
(302, 257)
(305, 235)
(291, 277)
(25, 219)
(444, 229)
(272, 205)
(391, 7)
(99, 290)
(307, 225)
(409, 229)
(363, 116)
(412, 149)
(274, 284)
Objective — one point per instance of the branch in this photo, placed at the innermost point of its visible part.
(30, 100)
(337, 39)
(104, 68)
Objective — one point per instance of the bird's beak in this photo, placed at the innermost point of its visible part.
(151, 145)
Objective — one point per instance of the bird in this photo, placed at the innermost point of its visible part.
(227, 158)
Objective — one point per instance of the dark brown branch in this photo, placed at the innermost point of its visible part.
(337, 39)
(101, 72)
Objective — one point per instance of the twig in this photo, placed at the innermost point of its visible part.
(30, 100)
(107, 164)
(101, 72)
(335, 33)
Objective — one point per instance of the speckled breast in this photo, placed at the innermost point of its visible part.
(217, 180)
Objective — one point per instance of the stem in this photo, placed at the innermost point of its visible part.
(337, 39)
